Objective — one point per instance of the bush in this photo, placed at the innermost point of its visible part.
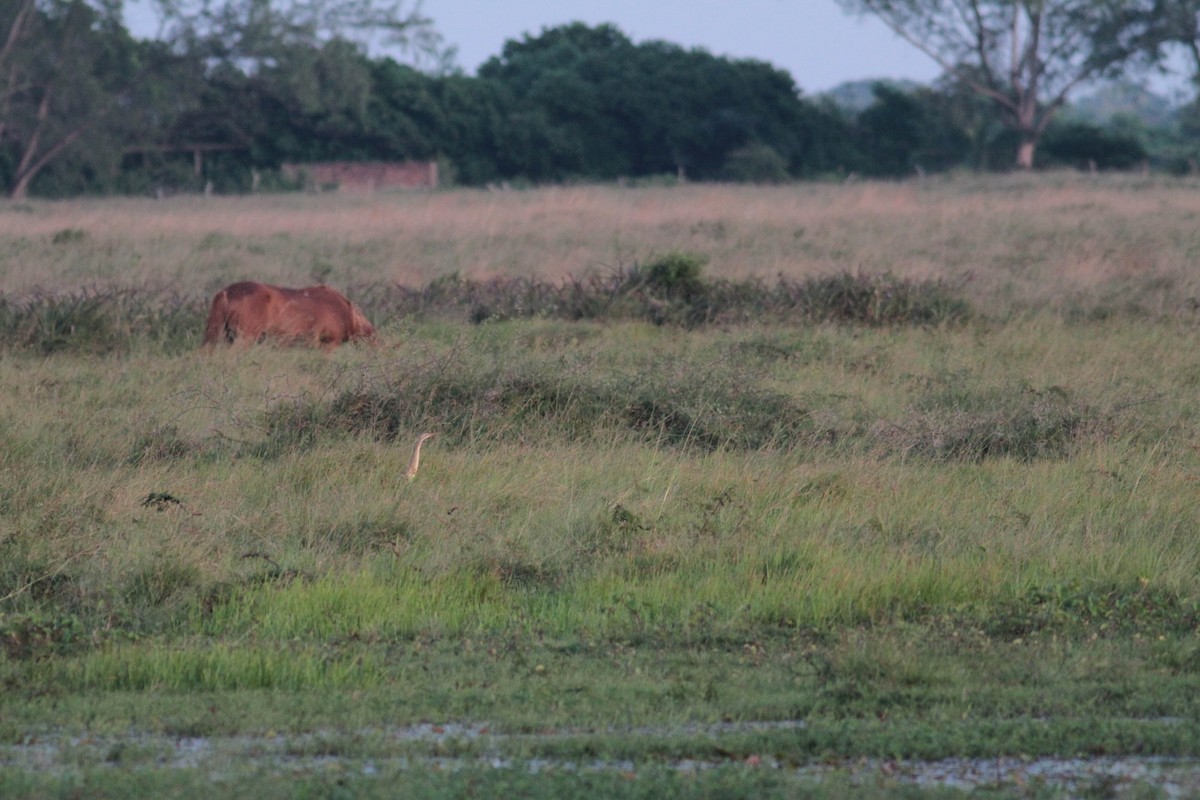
(676, 276)
(755, 163)
(100, 321)
(874, 300)
(1084, 146)
(956, 422)
(671, 290)
(553, 399)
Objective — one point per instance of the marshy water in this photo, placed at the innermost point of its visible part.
(312, 752)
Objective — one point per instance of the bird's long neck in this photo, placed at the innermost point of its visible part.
(415, 461)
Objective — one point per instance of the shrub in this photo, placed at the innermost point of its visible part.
(755, 163)
(36, 636)
(158, 581)
(476, 401)
(670, 290)
(874, 300)
(1084, 146)
(100, 321)
(676, 276)
(956, 423)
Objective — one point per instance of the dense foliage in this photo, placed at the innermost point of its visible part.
(111, 114)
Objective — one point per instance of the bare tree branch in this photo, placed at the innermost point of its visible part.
(1043, 48)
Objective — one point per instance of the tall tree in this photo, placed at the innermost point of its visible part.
(67, 67)
(588, 101)
(908, 132)
(1147, 29)
(289, 80)
(1024, 55)
(250, 33)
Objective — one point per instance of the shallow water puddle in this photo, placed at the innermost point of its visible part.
(1174, 777)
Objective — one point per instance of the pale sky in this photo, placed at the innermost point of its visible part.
(813, 40)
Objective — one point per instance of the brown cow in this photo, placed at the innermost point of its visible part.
(251, 312)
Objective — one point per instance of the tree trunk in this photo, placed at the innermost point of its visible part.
(31, 163)
(20, 189)
(1027, 124)
(23, 178)
(10, 42)
(23, 174)
(1025, 153)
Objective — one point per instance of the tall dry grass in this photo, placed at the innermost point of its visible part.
(1010, 243)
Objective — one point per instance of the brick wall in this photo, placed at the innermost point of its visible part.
(365, 176)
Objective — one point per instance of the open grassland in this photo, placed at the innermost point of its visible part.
(1007, 243)
(686, 527)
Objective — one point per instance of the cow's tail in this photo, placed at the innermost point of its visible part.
(216, 330)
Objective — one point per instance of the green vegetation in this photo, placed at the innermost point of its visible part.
(94, 111)
(668, 291)
(900, 518)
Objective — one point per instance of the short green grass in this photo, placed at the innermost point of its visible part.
(971, 539)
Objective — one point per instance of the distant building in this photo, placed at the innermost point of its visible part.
(364, 176)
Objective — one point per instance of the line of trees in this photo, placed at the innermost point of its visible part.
(85, 107)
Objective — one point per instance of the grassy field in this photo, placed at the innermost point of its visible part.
(730, 538)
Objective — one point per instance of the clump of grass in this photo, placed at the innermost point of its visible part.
(718, 415)
(359, 534)
(615, 532)
(517, 570)
(493, 401)
(766, 349)
(51, 323)
(99, 321)
(668, 290)
(161, 443)
(137, 667)
(477, 300)
(158, 581)
(672, 290)
(676, 275)
(866, 666)
(730, 404)
(953, 423)
(28, 578)
(38, 636)
(1076, 603)
(857, 298)
(69, 236)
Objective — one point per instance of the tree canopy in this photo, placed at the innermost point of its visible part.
(603, 106)
(69, 72)
(256, 84)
